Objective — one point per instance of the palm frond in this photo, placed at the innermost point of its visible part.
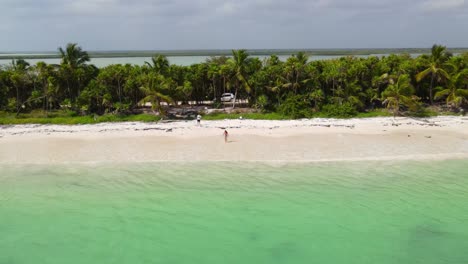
(442, 94)
(244, 82)
(164, 98)
(443, 73)
(423, 74)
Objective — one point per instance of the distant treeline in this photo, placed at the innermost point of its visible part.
(296, 87)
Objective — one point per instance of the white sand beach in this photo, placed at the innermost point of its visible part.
(250, 140)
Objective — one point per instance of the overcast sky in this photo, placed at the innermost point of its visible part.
(44, 25)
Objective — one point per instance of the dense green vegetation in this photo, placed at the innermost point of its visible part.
(71, 118)
(295, 88)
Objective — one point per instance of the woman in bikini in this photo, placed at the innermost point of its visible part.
(226, 134)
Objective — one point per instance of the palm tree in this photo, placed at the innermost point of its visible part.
(43, 72)
(439, 56)
(20, 65)
(186, 90)
(74, 56)
(455, 92)
(114, 76)
(399, 93)
(213, 73)
(152, 86)
(225, 72)
(378, 84)
(52, 92)
(19, 80)
(159, 63)
(295, 72)
(317, 97)
(331, 74)
(72, 67)
(272, 60)
(239, 64)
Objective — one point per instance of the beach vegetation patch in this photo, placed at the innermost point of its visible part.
(345, 110)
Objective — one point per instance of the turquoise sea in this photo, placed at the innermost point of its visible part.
(345, 212)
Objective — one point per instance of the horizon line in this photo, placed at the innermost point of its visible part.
(230, 49)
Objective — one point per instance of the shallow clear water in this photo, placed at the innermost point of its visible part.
(353, 212)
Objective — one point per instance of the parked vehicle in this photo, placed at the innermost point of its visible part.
(227, 97)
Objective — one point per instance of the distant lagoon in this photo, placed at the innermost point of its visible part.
(178, 60)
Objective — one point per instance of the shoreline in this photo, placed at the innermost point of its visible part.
(285, 141)
(272, 163)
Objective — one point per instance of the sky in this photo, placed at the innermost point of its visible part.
(45, 25)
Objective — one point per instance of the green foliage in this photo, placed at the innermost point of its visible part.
(71, 118)
(421, 112)
(435, 68)
(218, 104)
(374, 113)
(253, 116)
(12, 105)
(400, 94)
(159, 64)
(153, 86)
(345, 110)
(295, 88)
(317, 96)
(73, 56)
(456, 93)
(261, 102)
(295, 106)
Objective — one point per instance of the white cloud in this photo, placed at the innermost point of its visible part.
(91, 6)
(205, 24)
(228, 8)
(436, 5)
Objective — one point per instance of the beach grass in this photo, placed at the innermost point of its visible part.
(253, 116)
(367, 114)
(65, 117)
(71, 118)
(374, 113)
(278, 116)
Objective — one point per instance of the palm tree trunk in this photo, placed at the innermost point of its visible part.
(78, 92)
(296, 84)
(214, 89)
(120, 91)
(69, 90)
(17, 101)
(333, 87)
(430, 89)
(235, 98)
(45, 97)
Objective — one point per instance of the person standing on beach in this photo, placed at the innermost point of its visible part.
(226, 134)
(198, 119)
